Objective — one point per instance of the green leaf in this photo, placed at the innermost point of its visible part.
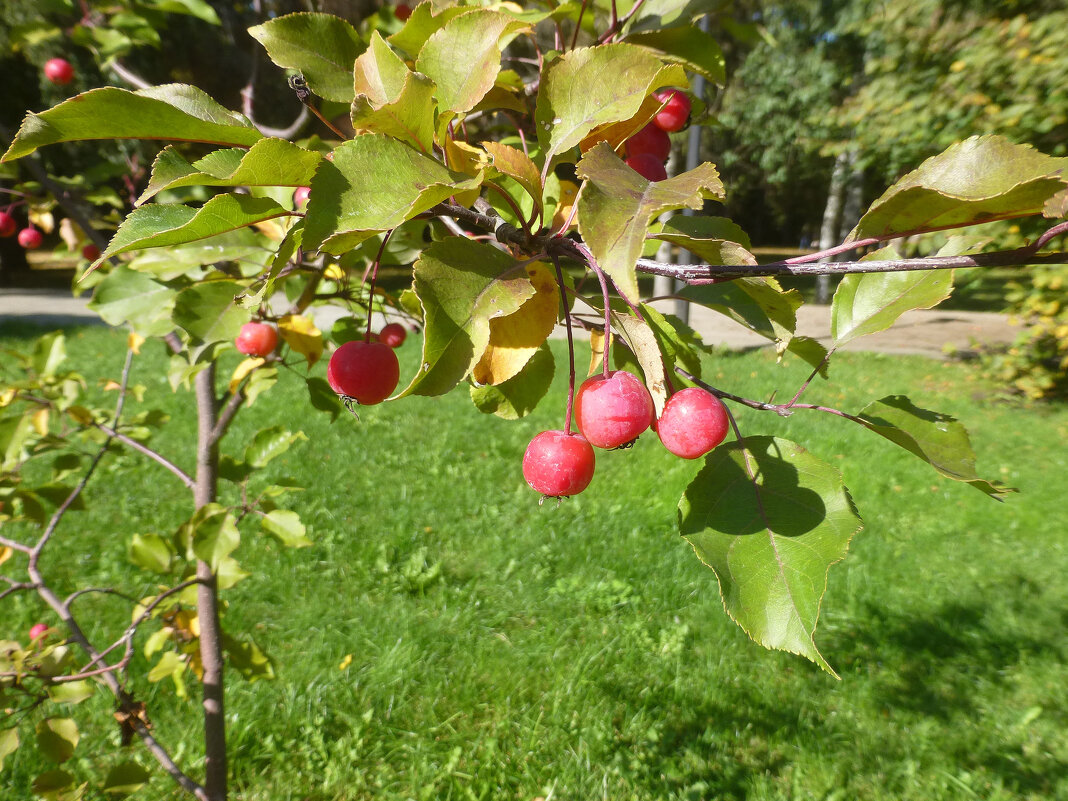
(687, 45)
(617, 206)
(422, 24)
(770, 519)
(269, 443)
(758, 304)
(679, 344)
(936, 438)
(166, 225)
(374, 184)
(519, 395)
(209, 311)
(126, 778)
(52, 784)
(461, 285)
(865, 303)
(715, 240)
(286, 527)
(321, 47)
(215, 534)
(174, 112)
(57, 738)
(322, 397)
(170, 664)
(126, 296)
(569, 107)
(981, 179)
(9, 743)
(151, 552)
(71, 692)
(229, 573)
(49, 352)
(639, 337)
(463, 57)
(270, 162)
(391, 99)
(195, 8)
(247, 658)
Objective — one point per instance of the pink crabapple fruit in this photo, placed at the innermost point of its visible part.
(366, 372)
(257, 339)
(647, 166)
(90, 252)
(694, 421)
(673, 115)
(59, 71)
(8, 226)
(558, 463)
(392, 334)
(300, 195)
(611, 412)
(30, 238)
(651, 140)
(37, 630)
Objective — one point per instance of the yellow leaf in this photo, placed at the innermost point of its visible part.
(80, 415)
(465, 158)
(596, 352)
(110, 385)
(515, 338)
(301, 335)
(134, 342)
(568, 195)
(6, 396)
(43, 219)
(345, 662)
(334, 273)
(5, 554)
(242, 370)
(272, 229)
(40, 422)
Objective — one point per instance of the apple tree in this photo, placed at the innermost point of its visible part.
(512, 159)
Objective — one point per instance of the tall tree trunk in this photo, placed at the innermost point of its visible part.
(832, 216)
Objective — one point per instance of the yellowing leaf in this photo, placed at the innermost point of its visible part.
(301, 335)
(596, 351)
(568, 195)
(345, 662)
(40, 422)
(134, 342)
(514, 339)
(334, 273)
(465, 158)
(5, 554)
(242, 370)
(80, 415)
(6, 396)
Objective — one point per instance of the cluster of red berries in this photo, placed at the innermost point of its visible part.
(648, 149)
(610, 412)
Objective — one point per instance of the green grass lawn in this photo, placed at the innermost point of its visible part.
(448, 638)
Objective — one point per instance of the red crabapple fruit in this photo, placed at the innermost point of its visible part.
(367, 372)
(651, 140)
(90, 252)
(8, 226)
(392, 334)
(30, 238)
(693, 422)
(59, 71)
(402, 11)
(300, 195)
(558, 463)
(611, 412)
(37, 630)
(647, 166)
(257, 339)
(673, 115)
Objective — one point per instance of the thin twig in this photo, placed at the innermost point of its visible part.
(151, 454)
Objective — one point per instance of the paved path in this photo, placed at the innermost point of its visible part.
(928, 333)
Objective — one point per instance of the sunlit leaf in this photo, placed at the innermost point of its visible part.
(321, 47)
(514, 339)
(151, 552)
(391, 99)
(687, 45)
(301, 334)
(568, 107)
(518, 165)
(57, 738)
(462, 285)
(770, 519)
(936, 438)
(374, 184)
(269, 444)
(981, 179)
(173, 112)
(215, 534)
(617, 205)
(286, 527)
(9, 743)
(208, 311)
(715, 240)
(125, 296)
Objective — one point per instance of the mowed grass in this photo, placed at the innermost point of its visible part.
(448, 638)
